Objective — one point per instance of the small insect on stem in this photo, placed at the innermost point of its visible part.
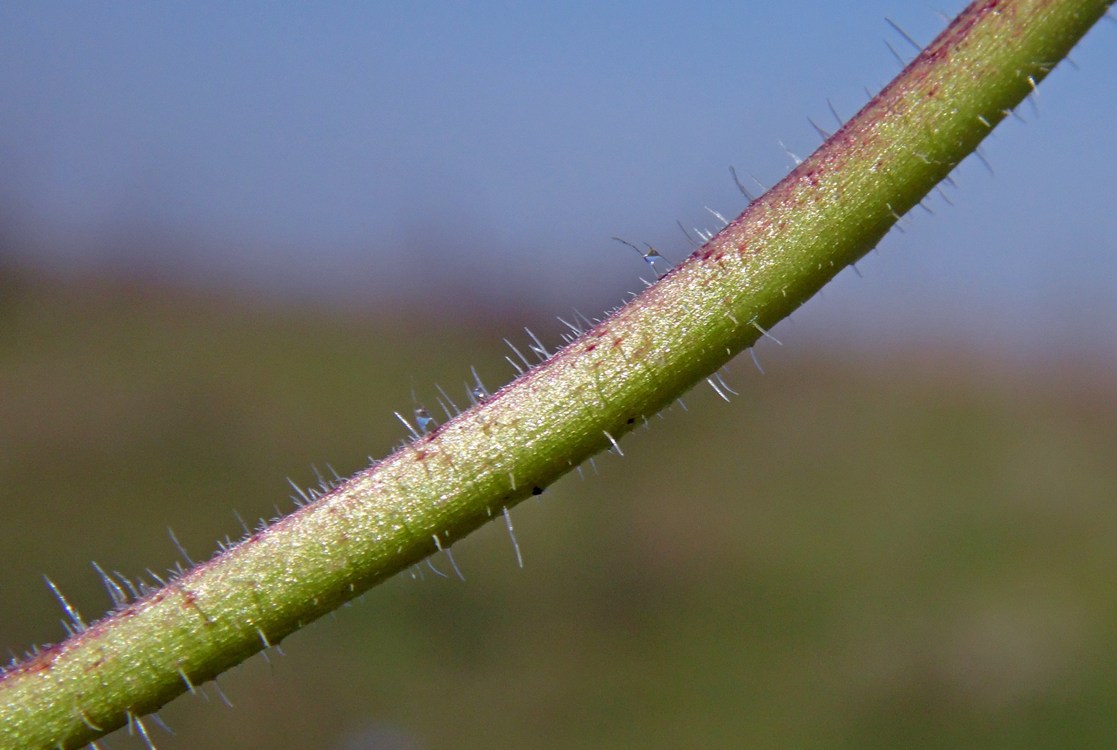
(423, 417)
(650, 257)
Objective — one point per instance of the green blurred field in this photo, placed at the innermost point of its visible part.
(915, 550)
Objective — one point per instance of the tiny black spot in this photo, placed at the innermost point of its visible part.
(537, 490)
(631, 420)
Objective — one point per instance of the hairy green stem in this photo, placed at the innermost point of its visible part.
(826, 214)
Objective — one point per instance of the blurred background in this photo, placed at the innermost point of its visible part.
(233, 239)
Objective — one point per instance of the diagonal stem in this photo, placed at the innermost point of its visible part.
(787, 245)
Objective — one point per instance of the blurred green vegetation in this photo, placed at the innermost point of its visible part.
(914, 550)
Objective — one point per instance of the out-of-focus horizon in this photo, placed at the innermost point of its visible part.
(354, 154)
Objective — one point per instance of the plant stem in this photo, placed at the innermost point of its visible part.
(824, 215)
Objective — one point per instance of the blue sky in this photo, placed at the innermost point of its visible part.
(362, 150)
